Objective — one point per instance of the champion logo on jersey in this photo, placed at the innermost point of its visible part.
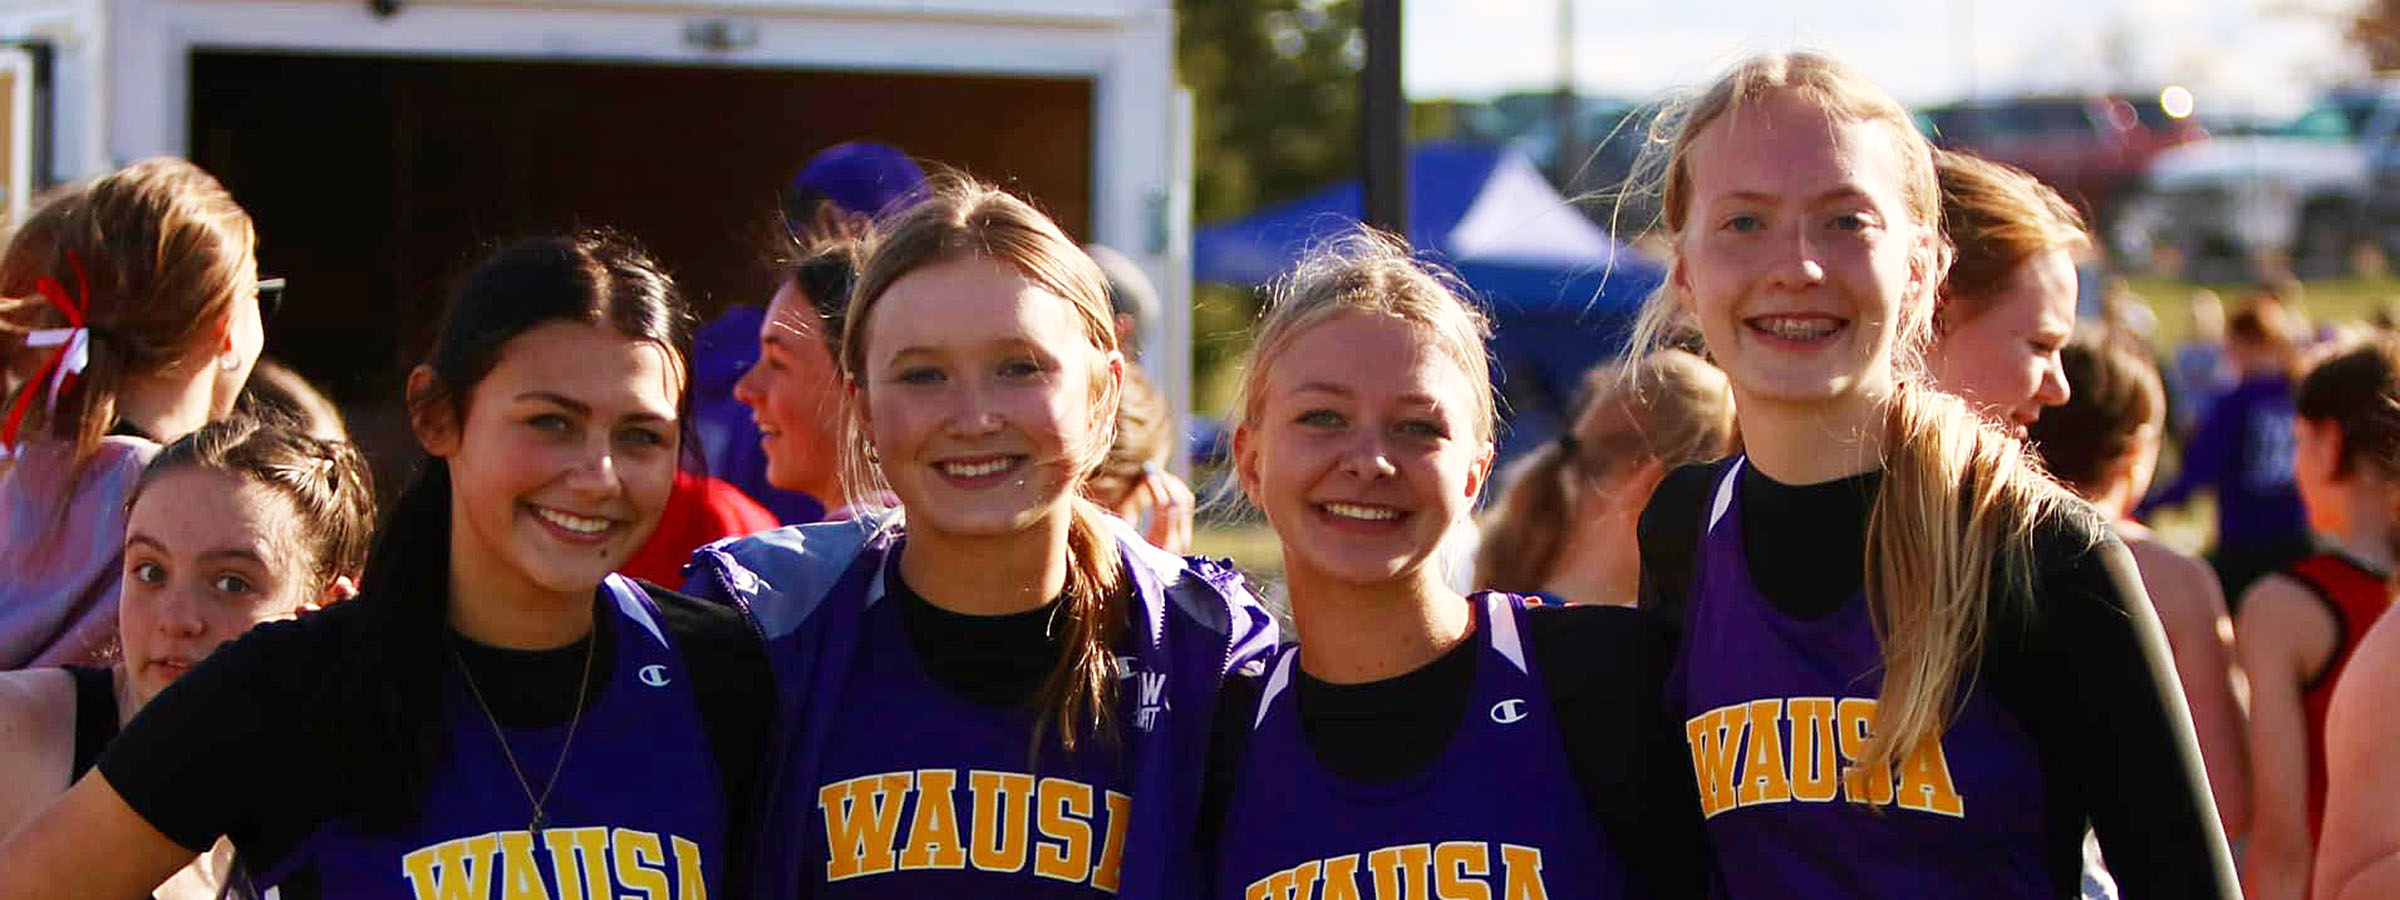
(1509, 711)
(653, 675)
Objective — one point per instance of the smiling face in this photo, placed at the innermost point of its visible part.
(207, 555)
(1362, 449)
(2003, 360)
(1799, 253)
(984, 397)
(794, 393)
(563, 463)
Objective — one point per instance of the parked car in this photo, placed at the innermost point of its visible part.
(2309, 189)
(2091, 148)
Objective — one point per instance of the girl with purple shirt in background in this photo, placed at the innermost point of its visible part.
(2242, 453)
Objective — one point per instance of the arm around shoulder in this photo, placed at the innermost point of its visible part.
(89, 844)
(2360, 856)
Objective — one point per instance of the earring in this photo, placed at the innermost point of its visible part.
(873, 459)
(229, 362)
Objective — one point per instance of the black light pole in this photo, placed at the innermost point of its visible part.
(1383, 119)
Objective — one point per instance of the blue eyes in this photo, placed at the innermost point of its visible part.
(1841, 222)
(1328, 419)
(1012, 370)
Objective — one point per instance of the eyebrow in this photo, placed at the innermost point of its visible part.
(1844, 192)
(239, 553)
(1328, 387)
(581, 408)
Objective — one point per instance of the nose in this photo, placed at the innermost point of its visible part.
(595, 474)
(1796, 264)
(179, 614)
(1366, 459)
(2054, 389)
(977, 414)
(746, 388)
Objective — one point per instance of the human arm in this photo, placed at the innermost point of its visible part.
(2206, 457)
(37, 740)
(2191, 608)
(88, 844)
(2118, 724)
(2360, 856)
(1169, 502)
(2283, 636)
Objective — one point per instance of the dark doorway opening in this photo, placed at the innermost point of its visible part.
(375, 181)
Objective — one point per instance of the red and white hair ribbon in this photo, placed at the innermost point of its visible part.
(75, 342)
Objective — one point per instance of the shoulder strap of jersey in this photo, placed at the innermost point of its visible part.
(2319, 573)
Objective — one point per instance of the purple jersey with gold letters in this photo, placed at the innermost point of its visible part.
(926, 793)
(1497, 814)
(638, 811)
(1776, 710)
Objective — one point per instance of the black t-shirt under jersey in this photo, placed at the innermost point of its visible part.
(2087, 672)
(226, 748)
(1604, 669)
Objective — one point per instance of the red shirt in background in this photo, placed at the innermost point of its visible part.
(702, 509)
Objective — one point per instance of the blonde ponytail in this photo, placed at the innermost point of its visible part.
(1959, 500)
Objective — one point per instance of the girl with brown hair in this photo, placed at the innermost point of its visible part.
(2103, 445)
(1910, 661)
(990, 690)
(1565, 525)
(2007, 305)
(129, 316)
(496, 704)
(2297, 627)
(235, 524)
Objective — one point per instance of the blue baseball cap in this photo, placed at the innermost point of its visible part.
(863, 177)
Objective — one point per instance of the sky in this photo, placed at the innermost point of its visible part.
(2253, 57)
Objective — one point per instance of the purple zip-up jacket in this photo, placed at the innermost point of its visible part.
(1194, 623)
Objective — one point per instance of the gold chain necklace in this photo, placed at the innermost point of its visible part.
(541, 817)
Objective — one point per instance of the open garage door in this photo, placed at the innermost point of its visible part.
(375, 180)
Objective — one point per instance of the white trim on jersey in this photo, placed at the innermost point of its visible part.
(1275, 685)
(1504, 630)
(1724, 494)
(629, 601)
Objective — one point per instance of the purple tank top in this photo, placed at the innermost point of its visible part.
(929, 794)
(638, 812)
(1497, 815)
(1775, 709)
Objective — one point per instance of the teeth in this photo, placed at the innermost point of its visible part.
(1797, 329)
(978, 470)
(1366, 513)
(571, 523)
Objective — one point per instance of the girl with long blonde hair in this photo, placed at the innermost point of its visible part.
(1910, 662)
(997, 690)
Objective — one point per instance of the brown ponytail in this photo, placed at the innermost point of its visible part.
(2358, 391)
(163, 251)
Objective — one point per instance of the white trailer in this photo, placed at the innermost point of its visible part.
(370, 120)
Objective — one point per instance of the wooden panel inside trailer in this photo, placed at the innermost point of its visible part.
(375, 180)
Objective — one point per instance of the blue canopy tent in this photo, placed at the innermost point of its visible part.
(1560, 291)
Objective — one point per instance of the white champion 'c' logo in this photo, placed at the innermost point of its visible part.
(654, 675)
(1509, 711)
